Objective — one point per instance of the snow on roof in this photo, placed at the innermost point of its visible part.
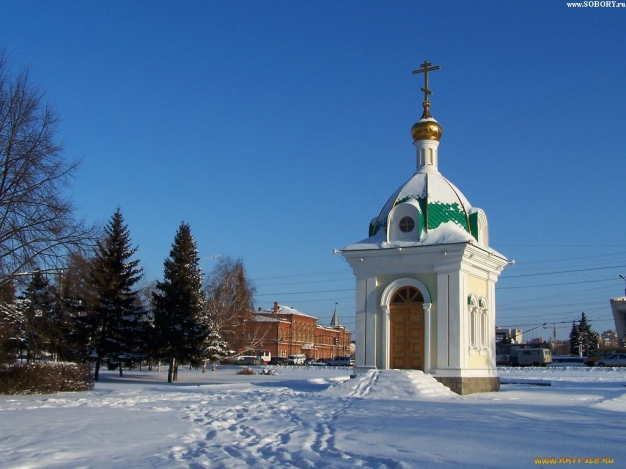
(446, 233)
(258, 318)
(331, 328)
(431, 186)
(443, 199)
(285, 310)
(443, 191)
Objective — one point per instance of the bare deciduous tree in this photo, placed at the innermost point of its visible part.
(37, 225)
(229, 305)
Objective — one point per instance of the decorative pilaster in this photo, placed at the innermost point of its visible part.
(427, 308)
(386, 335)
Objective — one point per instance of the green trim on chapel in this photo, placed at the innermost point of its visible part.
(473, 220)
(434, 214)
(439, 213)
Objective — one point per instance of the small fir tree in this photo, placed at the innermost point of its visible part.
(216, 349)
(574, 340)
(181, 327)
(117, 312)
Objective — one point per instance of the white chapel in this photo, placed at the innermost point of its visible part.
(426, 276)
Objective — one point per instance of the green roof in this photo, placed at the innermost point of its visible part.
(439, 213)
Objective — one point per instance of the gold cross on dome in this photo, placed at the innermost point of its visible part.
(425, 68)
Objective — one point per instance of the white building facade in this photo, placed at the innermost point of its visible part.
(425, 278)
(618, 307)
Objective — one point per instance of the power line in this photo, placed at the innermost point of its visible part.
(307, 281)
(559, 245)
(562, 272)
(304, 292)
(302, 275)
(556, 284)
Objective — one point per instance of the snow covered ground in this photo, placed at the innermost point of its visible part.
(320, 418)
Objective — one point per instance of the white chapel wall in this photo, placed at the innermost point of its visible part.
(478, 310)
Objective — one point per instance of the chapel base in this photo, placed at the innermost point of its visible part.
(470, 385)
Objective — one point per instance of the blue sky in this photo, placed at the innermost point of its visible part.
(278, 129)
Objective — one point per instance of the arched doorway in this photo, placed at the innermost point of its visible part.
(407, 329)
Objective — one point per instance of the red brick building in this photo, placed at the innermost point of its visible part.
(285, 331)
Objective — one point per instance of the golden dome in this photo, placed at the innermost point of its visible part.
(427, 128)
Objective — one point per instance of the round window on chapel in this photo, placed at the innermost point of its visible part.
(407, 224)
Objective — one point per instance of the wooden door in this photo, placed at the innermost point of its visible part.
(407, 330)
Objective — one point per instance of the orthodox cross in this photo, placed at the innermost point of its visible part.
(425, 68)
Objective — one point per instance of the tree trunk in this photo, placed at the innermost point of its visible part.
(121, 370)
(213, 362)
(204, 366)
(96, 373)
(170, 370)
(176, 372)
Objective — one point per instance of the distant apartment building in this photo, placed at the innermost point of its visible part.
(609, 339)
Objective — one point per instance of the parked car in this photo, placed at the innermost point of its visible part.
(248, 361)
(320, 363)
(531, 357)
(341, 361)
(617, 359)
(602, 353)
(314, 362)
(277, 361)
(295, 359)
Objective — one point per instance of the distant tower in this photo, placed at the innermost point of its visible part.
(425, 277)
(335, 320)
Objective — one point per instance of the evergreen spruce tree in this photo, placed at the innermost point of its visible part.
(10, 321)
(76, 300)
(180, 323)
(588, 337)
(41, 331)
(117, 312)
(574, 340)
